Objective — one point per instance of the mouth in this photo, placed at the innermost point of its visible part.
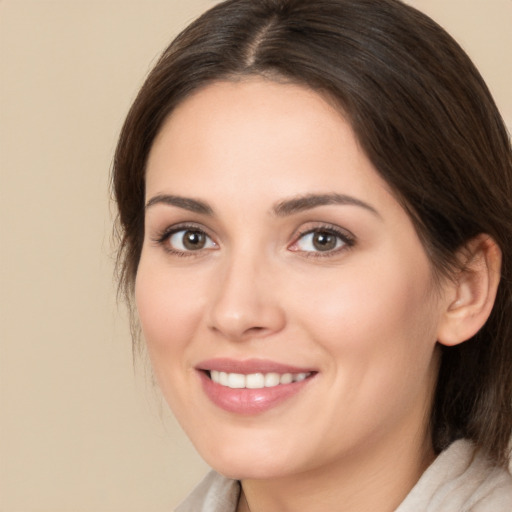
(251, 387)
(255, 380)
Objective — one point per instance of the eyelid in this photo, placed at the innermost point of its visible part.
(347, 238)
(162, 237)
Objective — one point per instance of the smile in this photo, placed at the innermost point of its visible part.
(255, 380)
(252, 386)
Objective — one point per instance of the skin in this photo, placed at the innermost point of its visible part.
(365, 315)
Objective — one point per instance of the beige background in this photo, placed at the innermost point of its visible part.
(80, 429)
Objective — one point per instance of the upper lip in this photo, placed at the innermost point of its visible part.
(248, 366)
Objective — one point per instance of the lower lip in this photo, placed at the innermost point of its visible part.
(249, 401)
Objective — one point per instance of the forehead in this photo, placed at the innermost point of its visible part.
(257, 128)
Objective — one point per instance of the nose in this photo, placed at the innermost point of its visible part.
(245, 301)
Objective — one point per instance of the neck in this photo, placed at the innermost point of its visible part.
(378, 478)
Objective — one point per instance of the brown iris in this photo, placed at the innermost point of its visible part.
(194, 240)
(324, 241)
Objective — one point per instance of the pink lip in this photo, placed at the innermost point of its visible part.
(249, 366)
(249, 401)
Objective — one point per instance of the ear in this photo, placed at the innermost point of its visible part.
(472, 292)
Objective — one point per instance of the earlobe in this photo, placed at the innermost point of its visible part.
(472, 292)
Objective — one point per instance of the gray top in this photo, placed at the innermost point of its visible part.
(457, 481)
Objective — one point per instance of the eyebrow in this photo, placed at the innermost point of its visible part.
(309, 201)
(281, 209)
(187, 203)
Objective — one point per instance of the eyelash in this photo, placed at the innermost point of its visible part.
(167, 233)
(347, 239)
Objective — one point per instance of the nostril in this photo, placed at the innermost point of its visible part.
(239, 313)
(255, 331)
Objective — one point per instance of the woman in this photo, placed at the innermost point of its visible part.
(315, 205)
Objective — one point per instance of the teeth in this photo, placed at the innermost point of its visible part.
(255, 380)
(271, 380)
(286, 378)
(223, 378)
(236, 380)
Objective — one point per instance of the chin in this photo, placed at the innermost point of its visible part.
(249, 460)
(250, 469)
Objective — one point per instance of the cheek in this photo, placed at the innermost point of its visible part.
(169, 305)
(376, 325)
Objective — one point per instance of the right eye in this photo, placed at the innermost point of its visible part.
(186, 240)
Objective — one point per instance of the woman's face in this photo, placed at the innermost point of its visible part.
(287, 303)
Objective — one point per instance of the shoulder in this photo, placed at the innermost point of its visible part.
(215, 493)
(461, 479)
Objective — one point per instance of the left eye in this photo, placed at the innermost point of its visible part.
(190, 240)
(319, 241)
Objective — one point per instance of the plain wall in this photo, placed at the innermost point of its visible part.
(80, 428)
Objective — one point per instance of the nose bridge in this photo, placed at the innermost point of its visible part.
(244, 304)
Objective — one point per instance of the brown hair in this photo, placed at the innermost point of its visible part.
(425, 119)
